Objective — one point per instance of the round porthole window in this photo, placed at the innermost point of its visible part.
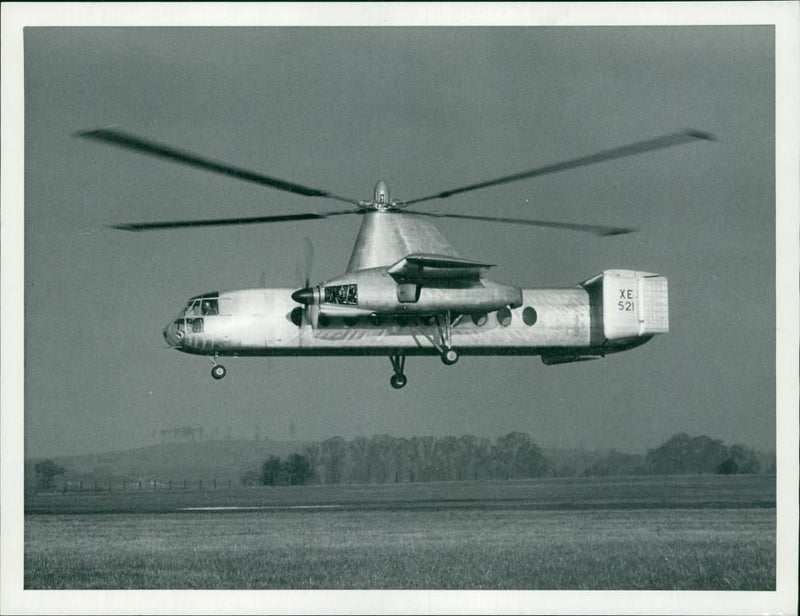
(529, 316)
(479, 318)
(504, 317)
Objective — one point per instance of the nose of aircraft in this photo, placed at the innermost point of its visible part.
(173, 333)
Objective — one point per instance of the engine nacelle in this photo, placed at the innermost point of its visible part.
(377, 291)
(627, 304)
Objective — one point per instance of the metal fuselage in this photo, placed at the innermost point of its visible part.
(554, 323)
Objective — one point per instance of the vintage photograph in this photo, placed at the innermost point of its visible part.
(412, 307)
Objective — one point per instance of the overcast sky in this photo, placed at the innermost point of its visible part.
(426, 109)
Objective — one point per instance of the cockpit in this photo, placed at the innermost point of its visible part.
(192, 317)
(202, 305)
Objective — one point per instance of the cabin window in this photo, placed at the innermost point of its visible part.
(195, 324)
(342, 294)
(529, 316)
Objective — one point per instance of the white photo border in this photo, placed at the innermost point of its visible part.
(783, 16)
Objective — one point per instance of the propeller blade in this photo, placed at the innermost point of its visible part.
(595, 229)
(219, 222)
(145, 146)
(313, 315)
(632, 149)
(308, 254)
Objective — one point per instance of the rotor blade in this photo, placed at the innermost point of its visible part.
(132, 142)
(627, 150)
(219, 222)
(595, 229)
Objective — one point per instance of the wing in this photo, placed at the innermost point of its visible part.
(424, 267)
(386, 237)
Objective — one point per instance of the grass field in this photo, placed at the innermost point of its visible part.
(629, 533)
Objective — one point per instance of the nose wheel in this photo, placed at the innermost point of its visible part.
(398, 380)
(218, 371)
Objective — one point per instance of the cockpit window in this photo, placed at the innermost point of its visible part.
(202, 306)
(342, 294)
(209, 307)
(192, 309)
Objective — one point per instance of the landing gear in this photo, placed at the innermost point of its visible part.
(218, 371)
(449, 356)
(441, 341)
(398, 380)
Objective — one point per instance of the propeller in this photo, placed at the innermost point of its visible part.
(129, 141)
(308, 260)
(306, 294)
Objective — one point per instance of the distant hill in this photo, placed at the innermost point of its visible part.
(177, 462)
(207, 460)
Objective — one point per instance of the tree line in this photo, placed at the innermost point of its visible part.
(388, 459)
(294, 471)
(682, 455)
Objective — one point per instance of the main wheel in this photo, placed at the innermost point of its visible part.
(218, 371)
(449, 357)
(398, 381)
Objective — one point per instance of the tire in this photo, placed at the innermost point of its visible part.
(398, 381)
(218, 371)
(449, 357)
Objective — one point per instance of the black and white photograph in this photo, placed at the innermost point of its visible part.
(405, 298)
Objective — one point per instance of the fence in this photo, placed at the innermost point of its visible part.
(141, 485)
